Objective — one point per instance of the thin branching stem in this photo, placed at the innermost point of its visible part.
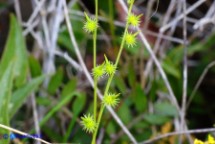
(189, 10)
(87, 74)
(185, 74)
(99, 120)
(209, 66)
(111, 76)
(94, 61)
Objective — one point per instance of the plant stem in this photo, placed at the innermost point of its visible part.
(94, 65)
(95, 99)
(119, 54)
(111, 77)
(94, 62)
(99, 119)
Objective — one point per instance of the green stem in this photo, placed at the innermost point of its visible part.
(99, 120)
(119, 54)
(94, 65)
(94, 62)
(111, 77)
(95, 99)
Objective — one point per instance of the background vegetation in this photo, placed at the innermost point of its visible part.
(45, 86)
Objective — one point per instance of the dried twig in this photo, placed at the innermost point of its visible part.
(68, 58)
(209, 18)
(51, 29)
(30, 28)
(159, 38)
(185, 66)
(35, 114)
(189, 10)
(185, 73)
(101, 136)
(210, 65)
(130, 125)
(145, 27)
(35, 12)
(23, 133)
(17, 9)
(206, 130)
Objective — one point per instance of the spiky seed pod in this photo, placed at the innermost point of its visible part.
(134, 20)
(111, 99)
(110, 68)
(88, 123)
(90, 24)
(130, 39)
(98, 71)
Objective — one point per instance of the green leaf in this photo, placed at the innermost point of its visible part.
(20, 95)
(153, 90)
(64, 40)
(50, 132)
(156, 119)
(43, 101)
(171, 68)
(120, 84)
(165, 109)
(199, 46)
(176, 54)
(3, 5)
(55, 81)
(111, 128)
(146, 136)
(15, 49)
(35, 67)
(79, 104)
(57, 107)
(124, 113)
(77, 107)
(139, 99)
(6, 82)
(69, 87)
(142, 125)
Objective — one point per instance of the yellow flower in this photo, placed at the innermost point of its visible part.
(90, 25)
(211, 139)
(88, 123)
(111, 99)
(134, 20)
(130, 39)
(196, 141)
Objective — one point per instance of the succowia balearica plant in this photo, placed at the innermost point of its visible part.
(90, 122)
